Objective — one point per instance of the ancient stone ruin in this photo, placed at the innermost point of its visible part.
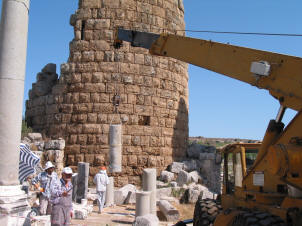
(152, 91)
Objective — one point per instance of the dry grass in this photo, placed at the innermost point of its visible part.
(186, 211)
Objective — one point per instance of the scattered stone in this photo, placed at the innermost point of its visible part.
(176, 167)
(26, 140)
(195, 176)
(55, 144)
(166, 176)
(34, 137)
(121, 194)
(40, 145)
(195, 149)
(169, 211)
(160, 184)
(191, 165)
(81, 211)
(190, 196)
(163, 192)
(183, 178)
(173, 184)
(207, 156)
(146, 220)
(205, 191)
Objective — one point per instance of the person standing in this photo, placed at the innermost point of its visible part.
(101, 180)
(42, 182)
(61, 199)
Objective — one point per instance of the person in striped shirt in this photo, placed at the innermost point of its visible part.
(42, 183)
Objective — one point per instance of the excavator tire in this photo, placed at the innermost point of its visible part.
(205, 212)
(257, 218)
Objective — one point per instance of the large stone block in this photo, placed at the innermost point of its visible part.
(146, 220)
(55, 144)
(90, 3)
(176, 167)
(166, 176)
(121, 194)
(195, 176)
(169, 211)
(183, 178)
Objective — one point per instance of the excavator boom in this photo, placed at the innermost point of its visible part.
(277, 73)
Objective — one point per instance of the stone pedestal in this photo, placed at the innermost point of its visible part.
(82, 181)
(110, 192)
(149, 184)
(14, 207)
(115, 152)
(142, 206)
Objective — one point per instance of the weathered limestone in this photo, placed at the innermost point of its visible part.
(176, 167)
(166, 176)
(152, 90)
(149, 184)
(120, 195)
(183, 178)
(13, 46)
(146, 220)
(110, 192)
(142, 205)
(82, 181)
(115, 151)
(169, 211)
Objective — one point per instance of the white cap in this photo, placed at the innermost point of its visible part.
(48, 165)
(67, 170)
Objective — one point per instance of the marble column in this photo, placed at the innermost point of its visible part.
(13, 46)
(142, 205)
(149, 184)
(110, 192)
(115, 152)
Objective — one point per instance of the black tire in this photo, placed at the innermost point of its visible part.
(205, 212)
(257, 218)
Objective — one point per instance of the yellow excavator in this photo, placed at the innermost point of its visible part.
(262, 182)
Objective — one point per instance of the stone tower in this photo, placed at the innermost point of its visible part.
(153, 90)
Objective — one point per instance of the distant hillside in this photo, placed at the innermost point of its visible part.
(218, 142)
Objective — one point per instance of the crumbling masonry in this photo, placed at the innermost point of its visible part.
(153, 91)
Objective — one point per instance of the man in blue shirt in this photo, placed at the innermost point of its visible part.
(61, 199)
(42, 182)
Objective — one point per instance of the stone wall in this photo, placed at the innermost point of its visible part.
(47, 150)
(153, 90)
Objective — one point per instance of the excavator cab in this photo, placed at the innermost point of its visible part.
(238, 160)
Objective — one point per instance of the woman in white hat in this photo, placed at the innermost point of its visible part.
(61, 199)
(42, 182)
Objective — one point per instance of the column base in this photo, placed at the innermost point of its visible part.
(14, 207)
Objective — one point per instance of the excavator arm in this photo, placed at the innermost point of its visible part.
(280, 74)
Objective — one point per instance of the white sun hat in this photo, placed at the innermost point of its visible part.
(48, 165)
(67, 170)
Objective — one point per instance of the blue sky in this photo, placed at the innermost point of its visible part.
(219, 106)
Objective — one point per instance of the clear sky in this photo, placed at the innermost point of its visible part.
(218, 106)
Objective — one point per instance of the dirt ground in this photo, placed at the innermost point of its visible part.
(125, 215)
